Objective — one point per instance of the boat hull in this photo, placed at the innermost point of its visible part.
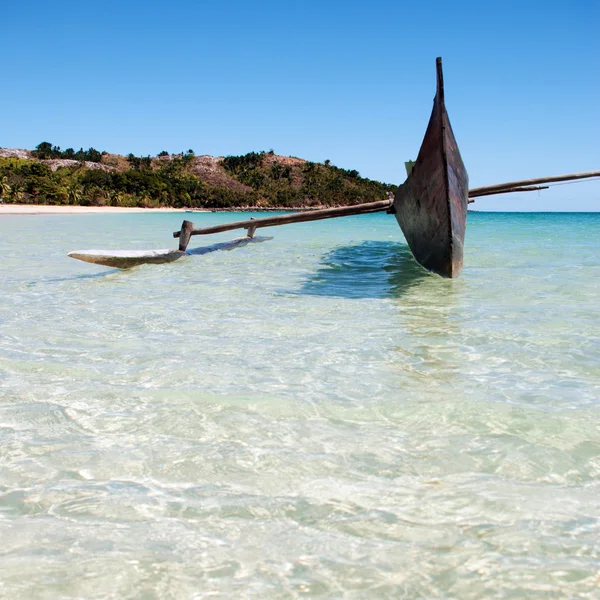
(431, 205)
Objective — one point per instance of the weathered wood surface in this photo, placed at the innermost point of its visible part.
(511, 186)
(431, 205)
(125, 259)
(184, 238)
(531, 188)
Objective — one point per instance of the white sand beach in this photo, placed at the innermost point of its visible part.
(47, 209)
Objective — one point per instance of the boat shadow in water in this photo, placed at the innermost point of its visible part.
(231, 245)
(372, 269)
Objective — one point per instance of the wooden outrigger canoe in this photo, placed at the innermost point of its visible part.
(431, 205)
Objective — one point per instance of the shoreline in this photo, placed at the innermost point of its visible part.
(50, 209)
(53, 209)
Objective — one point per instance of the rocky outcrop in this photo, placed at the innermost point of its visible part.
(53, 163)
(15, 153)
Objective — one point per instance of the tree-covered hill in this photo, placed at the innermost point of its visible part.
(49, 175)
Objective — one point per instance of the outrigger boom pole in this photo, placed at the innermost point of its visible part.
(525, 185)
(187, 229)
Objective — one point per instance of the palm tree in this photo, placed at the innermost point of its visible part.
(114, 197)
(75, 194)
(5, 188)
(16, 192)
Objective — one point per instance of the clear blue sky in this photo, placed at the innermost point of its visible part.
(352, 82)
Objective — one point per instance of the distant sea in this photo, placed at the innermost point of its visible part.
(312, 416)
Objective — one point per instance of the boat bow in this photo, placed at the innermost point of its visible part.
(431, 205)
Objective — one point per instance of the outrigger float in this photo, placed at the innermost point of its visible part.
(430, 206)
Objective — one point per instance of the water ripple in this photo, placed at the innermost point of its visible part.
(314, 417)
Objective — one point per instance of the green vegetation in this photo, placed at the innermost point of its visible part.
(295, 183)
(256, 179)
(46, 150)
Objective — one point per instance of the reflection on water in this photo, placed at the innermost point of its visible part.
(102, 274)
(428, 306)
(237, 243)
(371, 269)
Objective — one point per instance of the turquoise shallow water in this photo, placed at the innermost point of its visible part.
(312, 416)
